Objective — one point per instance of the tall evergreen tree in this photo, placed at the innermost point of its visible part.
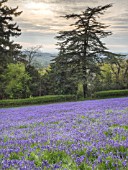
(81, 47)
(8, 29)
(8, 49)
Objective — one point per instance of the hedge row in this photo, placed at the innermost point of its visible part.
(111, 93)
(37, 100)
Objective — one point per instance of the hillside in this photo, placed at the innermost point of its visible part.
(43, 59)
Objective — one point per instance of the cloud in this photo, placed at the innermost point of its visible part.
(118, 18)
(25, 26)
(40, 21)
(124, 27)
(65, 1)
(117, 48)
(45, 47)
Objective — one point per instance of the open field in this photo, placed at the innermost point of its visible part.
(87, 135)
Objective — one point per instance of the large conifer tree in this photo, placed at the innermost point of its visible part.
(8, 49)
(81, 47)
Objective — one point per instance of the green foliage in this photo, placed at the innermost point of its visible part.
(57, 80)
(111, 93)
(8, 29)
(37, 100)
(17, 81)
(114, 74)
(34, 157)
(118, 137)
(35, 81)
(23, 126)
(109, 133)
(80, 91)
(6, 138)
(125, 127)
(16, 156)
(53, 157)
(81, 48)
(84, 166)
(9, 51)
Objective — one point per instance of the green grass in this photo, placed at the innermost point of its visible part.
(53, 157)
(16, 156)
(23, 126)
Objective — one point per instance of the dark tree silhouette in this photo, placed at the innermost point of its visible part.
(8, 49)
(81, 47)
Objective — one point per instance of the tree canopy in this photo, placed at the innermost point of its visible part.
(17, 81)
(9, 50)
(81, 47)
(8, 29)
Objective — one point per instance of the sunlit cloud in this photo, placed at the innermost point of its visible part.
(39, 8)
(118, 48)
(41, 19)
(45, 47)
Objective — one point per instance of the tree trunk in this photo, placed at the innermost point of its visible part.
(40, 88)
(85, 88)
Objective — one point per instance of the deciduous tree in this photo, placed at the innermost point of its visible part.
(17, 81)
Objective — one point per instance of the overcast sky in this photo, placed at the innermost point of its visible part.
(40, 21)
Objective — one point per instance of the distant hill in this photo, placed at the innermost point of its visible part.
(43, 59)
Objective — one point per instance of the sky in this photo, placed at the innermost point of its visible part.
(40, 21)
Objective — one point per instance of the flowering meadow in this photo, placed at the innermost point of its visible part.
(87, 135)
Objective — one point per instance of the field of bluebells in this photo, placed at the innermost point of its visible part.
(87, 135)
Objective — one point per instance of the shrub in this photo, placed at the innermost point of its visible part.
(111, 93)
(37, 100)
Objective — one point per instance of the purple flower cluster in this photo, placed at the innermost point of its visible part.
(76, 135)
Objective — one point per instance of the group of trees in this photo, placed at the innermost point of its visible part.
(83, 65)
(115, 73)
(18, 79)
(8, 49)
(112, 74)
